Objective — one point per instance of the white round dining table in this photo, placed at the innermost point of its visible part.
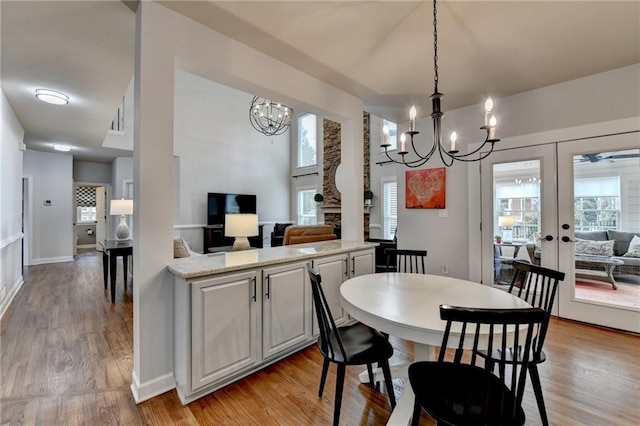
(408, 306)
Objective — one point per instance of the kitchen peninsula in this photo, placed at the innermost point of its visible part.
(237, 312)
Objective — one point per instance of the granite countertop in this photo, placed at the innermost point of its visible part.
(216, 263)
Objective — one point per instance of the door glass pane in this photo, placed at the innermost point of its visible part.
(606, 209)
(516, 216)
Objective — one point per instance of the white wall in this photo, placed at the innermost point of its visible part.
(91, 172)
(11, 154)
(218, 150)
(121, 170)
(52, 232)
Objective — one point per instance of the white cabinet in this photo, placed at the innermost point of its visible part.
(334, 271)
(232, 323)
(361, 263)
(224, 327)
(286, 303)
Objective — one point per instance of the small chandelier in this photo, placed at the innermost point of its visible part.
(448, 156)
(268, 117)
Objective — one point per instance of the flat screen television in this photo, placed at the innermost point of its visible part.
(219, 204)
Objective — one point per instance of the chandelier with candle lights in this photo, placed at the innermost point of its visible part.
(448, 156)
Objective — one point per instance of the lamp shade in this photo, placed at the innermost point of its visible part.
(506, 221)
(121, 207)
(241, 225)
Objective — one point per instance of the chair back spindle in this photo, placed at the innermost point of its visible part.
(407, 261)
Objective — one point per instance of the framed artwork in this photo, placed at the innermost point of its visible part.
(426, 189)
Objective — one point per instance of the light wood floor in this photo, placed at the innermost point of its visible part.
(67, 360)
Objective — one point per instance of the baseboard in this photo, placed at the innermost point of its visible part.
(155, 387)
(6, 302)
(52, 260)
(83, 246)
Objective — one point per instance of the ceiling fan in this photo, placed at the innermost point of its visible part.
(597, 156)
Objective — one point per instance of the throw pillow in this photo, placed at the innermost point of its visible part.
(600, 248)
(634, 247)
(180, 248)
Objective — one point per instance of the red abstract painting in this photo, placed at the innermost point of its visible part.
(426, 189)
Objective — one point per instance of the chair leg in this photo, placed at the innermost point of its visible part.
(537, 389)
(370, 373)
(386, 371)
(323, 378)
(417, 410)
(338, 402)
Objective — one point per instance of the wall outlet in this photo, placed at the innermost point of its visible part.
(445, 269)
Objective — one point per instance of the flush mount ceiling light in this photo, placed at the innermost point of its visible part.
(448, 156)
(63, 148)
(52, 97)
(270, 118)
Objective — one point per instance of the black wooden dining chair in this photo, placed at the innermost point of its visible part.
(460, 393)
(352, 345)
(537, 286)
(412, 261)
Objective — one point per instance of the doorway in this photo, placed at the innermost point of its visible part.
(572, 206)
(90, 215)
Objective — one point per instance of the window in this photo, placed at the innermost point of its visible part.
(306, 206)
(389, 208)
(519, 197)
(86, 214)
(393, 135)
(596, 203)
(307, 140)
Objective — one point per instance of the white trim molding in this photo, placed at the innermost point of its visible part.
(6, 302)
(52, 260)
(150, 389)
(10, 240)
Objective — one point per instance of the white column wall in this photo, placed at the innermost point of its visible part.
(11, 143)
(194, 48)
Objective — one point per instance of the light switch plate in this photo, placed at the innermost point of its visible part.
(443, 213)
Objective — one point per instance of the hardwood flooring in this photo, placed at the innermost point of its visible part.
(67, 357)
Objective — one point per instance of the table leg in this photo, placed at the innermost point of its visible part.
(113, 271)
(403, 413)
(125, 261)
(609, 269)
(105, 267)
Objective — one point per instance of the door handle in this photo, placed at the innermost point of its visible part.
(567, 239)
(268, 286)
(549, 237)
(353, 266)
(346, 267)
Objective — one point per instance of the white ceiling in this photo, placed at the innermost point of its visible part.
(380, 51)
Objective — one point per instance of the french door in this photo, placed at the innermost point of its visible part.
(535, 199)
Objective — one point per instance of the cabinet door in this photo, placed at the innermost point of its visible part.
(286, 307)
(225, 333)
(333, 270)
(362, 262)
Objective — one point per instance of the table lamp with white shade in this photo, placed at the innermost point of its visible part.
(241, 226)
(507, 223)
(121, 208)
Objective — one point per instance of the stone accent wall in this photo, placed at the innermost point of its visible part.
(332, 152)
(366, 120)
(332, 149)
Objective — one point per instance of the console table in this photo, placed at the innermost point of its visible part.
(111, 249)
